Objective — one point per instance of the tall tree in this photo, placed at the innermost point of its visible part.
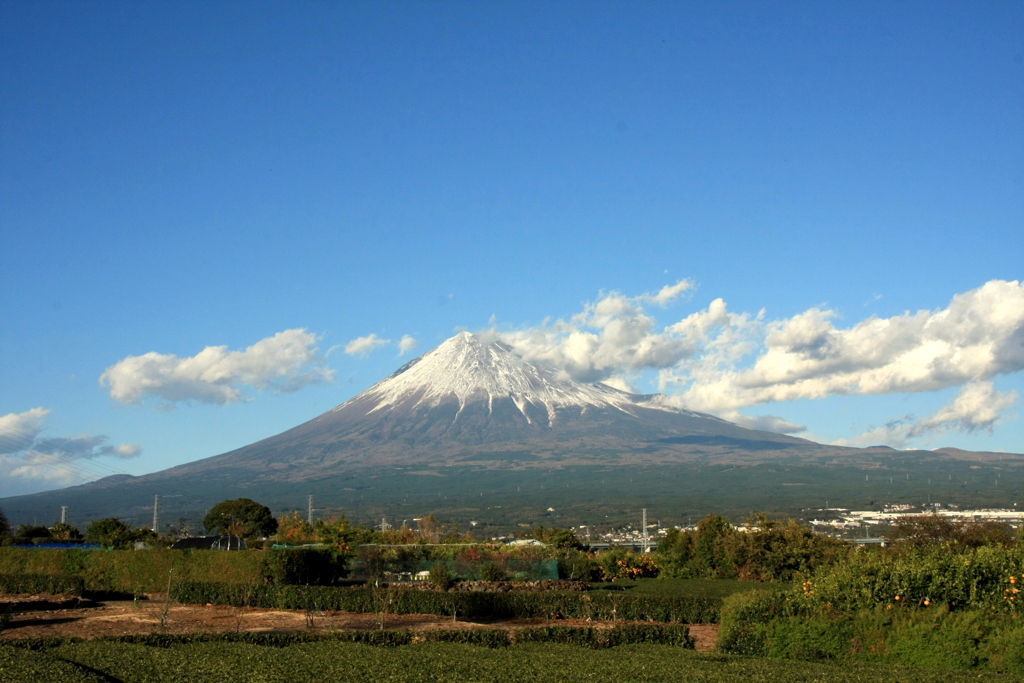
(243, 516)
(110, 532)
(5, 526)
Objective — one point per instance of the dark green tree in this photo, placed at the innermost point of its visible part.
(241, 516)
(958, 535)
(711, 547)
(65, 532)
(110, 532)
(30, 534)
(5, 526)
(781, 551)
(563, 539)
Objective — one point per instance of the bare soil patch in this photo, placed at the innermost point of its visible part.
(60, 616)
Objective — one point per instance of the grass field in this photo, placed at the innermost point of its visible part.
(235, 662)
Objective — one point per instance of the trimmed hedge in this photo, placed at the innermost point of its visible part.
(138, 571)
(626, 634)
(547, 663)
(977, 579)
(927, 639)
(611, 606)
(31, 584)
(745, 619)
(528, 663)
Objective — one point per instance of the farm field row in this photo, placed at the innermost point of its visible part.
(236, 662)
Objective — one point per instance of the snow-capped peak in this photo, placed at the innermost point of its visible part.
(467, 367)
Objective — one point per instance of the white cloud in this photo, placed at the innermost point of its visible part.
(669, 293)
(128, 450)
(285, 362)
(764, 423)
(26, 457)
(406, 344)
(978, 407)
(612, 337)
(19, 430)
(978, 336)
(364, 346)
(720, 362)
(620, 383)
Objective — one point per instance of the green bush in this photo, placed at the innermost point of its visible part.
(652, 634)
(18, 664)
(306, 566)
(745, 619)
(578, 566)
(130, 571)
(815, 638)
(557, 634)
(30, 584)
(626, 634)
(440, 578)
(971, 579)
(601, 605)
(492, 571)
(484, 637)
(771, 551)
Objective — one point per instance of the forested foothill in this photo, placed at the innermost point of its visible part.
(943, 594)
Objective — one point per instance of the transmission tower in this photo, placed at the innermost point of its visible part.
(63, 514)
(646, 542)
(309, 513)
(156, 513)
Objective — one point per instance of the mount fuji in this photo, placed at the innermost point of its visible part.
(471, 429)
(472, 400)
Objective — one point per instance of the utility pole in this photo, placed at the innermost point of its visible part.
(63, 514)
(646, 545)
(309, 505)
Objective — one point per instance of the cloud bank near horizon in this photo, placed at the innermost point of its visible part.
(977, 408)
(713, 360)
(720, 362)
(24, 455)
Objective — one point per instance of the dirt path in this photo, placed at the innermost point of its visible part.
(118, 618)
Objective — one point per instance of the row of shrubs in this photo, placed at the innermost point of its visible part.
(507, 605)
(33, 584)
(766, 624)
(131, 571)
(980, 578)
(926, 606)
(597, 638)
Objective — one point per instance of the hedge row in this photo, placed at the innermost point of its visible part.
(95, 662)
(131, 571)
(32, 584)
(509, 605)
(979, 579)
(627, 634)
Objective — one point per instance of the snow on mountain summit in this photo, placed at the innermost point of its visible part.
(468, 368)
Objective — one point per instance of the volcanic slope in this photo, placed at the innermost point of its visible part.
(472, 400)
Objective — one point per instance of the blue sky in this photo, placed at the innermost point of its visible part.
(177, 176)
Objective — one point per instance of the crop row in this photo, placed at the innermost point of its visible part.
(676, 635)
(599, 605)
(231, 662)
(34, 584)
